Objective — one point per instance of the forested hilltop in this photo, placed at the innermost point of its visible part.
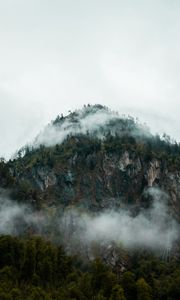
(92, 155)
(90, 210)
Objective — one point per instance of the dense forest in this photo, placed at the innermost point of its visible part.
(33, 268)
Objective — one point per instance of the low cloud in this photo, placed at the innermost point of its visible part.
(95, 120)
(153, 228)
(17, 218)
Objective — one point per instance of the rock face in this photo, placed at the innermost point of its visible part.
(44, 178)
(102, 180)
(153, 172)
(124, 161)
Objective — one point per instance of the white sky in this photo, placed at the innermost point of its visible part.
(56, 55)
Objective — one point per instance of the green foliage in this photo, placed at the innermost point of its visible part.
(143, 290)
(117, 293)
(102, 278)
(129, 285)
(36, 269)
(6, 179)
(37, 293)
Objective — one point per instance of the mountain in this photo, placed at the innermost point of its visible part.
(96, 159)
(103, 194)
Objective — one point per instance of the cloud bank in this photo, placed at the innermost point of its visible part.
(93, 120)
(153, 228)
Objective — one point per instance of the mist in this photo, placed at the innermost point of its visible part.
(90, 120)
(52, 135)
(17, 218)
(78, 230)
(153, 228)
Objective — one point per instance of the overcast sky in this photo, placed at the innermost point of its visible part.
(56, 55)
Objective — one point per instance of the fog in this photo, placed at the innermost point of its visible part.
(153, 228)
(17, 218)
(90, 120)
(83, 123)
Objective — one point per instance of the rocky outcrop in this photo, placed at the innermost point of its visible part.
(153, 172)
(124, 161)
(102, 180)
(45, 178)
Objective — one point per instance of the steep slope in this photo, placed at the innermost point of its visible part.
(95, 159)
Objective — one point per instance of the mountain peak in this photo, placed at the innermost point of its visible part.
(94, 120)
